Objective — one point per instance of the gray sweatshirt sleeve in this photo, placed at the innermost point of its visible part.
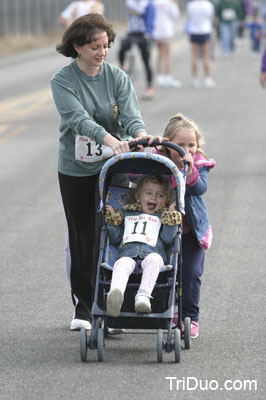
(74, 115)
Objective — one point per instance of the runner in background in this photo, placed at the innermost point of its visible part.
(166, 14)
(200, 19)
(78, 8)
(141, 15)
(263, 70)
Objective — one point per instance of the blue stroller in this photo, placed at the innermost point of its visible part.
(168, 288)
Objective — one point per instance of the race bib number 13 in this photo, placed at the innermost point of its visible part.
(87, 150)
(142, 228)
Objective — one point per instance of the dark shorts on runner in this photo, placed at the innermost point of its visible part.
(200, 39)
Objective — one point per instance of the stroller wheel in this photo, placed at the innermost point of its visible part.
(177, 345)
(159, 346)
(83, 345)
(187, 333)
(100, 343)
(98, 324)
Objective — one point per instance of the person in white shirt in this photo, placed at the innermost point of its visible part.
(78, 8)
(166, 13)
(200, 19)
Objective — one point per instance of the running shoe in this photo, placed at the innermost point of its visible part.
(148, 94)
(194, 329)
(167, 81)
(77, 324)
(170, 82)
(209, 82)
(195, 83)
(160, 80)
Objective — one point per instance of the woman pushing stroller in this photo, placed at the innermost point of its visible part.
(143, 230)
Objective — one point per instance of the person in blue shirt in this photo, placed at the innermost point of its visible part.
(256, 32)
(263, 70)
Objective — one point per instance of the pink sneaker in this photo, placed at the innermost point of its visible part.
(194, 329)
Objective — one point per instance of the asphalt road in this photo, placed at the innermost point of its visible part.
(39, 356)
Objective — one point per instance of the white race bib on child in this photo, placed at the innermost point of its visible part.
(87, 150)
(142, 228)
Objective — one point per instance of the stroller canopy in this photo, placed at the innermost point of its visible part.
(141, 163)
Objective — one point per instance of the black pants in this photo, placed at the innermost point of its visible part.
(144, 45)
(193, 265)
(80, 196)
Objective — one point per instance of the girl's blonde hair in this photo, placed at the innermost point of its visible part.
(153, 177)
(179, 121)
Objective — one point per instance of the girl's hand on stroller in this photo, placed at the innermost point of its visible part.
(152, 138)
(172, 206)
(109, 208)
(188, 157)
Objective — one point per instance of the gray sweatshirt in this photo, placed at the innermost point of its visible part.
(93, 106)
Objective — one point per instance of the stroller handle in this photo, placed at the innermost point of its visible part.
(156, 142)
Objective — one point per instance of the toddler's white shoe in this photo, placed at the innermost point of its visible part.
(115, 299)
(78, 324)
(142, 303)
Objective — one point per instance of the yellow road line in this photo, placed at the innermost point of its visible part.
(3, 128)
(13, 133)
(34, 106)
(23, 105)
(18, 101)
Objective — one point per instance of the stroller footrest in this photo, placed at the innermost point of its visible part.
(162, 269)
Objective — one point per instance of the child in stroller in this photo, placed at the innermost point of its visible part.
(142, 239)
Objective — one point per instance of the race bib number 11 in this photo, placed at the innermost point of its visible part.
(142, 228)
(87, 150)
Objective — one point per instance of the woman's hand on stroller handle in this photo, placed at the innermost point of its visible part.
(156, 142)
(147, 138)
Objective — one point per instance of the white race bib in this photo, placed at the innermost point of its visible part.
(142, 228)
(87, 150)
(228, 14)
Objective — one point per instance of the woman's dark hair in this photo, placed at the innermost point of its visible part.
(81, 32)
